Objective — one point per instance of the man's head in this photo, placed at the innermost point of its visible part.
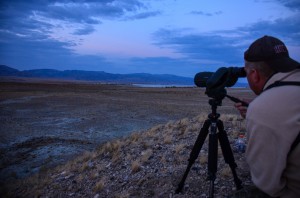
(264, 57)
(272, 51)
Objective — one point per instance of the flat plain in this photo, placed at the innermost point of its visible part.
(48, 123)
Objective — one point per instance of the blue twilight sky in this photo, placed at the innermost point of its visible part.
(180, 37)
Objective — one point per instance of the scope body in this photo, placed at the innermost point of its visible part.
(215, 82)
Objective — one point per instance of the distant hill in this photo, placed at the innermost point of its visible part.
(8, 71)
(100, 76)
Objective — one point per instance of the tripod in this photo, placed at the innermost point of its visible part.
(214, 123)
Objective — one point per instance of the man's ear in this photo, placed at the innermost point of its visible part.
(256, 77)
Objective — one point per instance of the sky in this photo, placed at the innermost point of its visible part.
(179, 37)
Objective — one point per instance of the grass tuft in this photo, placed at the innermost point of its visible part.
(226, 172)
(168, 139)
(146, 155)
(134, 137)
(135, 166)
(203, 159)
(99, 186)
(179, 148)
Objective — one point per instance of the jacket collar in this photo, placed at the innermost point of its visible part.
(280, 77)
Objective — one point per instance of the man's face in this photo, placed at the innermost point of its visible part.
(252, 79)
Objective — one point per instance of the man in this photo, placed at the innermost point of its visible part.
(273, 118)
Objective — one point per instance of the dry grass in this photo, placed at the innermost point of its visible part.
(84, 167)
(170, 124)
(203, 159)
(228, 117)
(226, 172)
(128, 157)
(141, 149)
(148, 143)
(168, 138)
(135, 166)
(201, 118)
(94, 175)
(112, 149)
(146, 155)
(84, 157)
(135, 136)
(116, 158)
(99, 185)
(179, 148)
(184, 122)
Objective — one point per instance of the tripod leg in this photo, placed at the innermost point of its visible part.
(194, 153)
(227, 153)
(212, 157)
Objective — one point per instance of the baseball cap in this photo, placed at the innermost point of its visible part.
(273, 51)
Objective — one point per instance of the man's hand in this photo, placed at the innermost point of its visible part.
(242, 109)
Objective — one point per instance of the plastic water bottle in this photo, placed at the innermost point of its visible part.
(240, 144)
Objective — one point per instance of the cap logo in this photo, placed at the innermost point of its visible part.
(280, 49)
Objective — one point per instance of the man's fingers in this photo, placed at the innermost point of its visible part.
(237, 105)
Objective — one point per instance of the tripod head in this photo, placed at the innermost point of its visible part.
(214, 103)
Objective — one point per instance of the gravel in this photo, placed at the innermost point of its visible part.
(148, 163)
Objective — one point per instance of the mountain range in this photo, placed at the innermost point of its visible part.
(102, 77)
(99, 76)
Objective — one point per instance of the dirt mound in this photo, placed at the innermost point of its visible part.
(145, 164)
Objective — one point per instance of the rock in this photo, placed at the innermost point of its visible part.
(97, 196)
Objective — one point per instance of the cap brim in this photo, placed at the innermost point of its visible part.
(284, 64)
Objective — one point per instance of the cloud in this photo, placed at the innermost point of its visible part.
(285, 28)
(26, 28)
(32, 50)
(227, 47)
(85, 30)
(209, 14)
(70, 12)
(25, 53)
(291, 4)
(20, 17)
(144, 15)
(213, 47)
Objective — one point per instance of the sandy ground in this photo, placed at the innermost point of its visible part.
(44, 124)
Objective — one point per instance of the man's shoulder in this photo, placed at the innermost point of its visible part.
(293, 76)
(277, 98)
